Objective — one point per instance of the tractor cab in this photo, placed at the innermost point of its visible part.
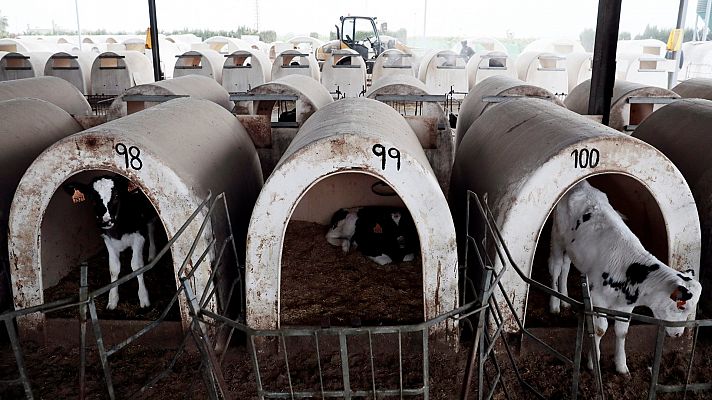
(361, 35)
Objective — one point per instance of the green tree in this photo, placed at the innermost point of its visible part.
(314, 35)
(587, 37)
(653, 32)
(624, 36)
(268, 36)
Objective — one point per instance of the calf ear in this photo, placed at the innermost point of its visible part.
(76, 190)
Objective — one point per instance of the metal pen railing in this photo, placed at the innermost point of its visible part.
(493, 293)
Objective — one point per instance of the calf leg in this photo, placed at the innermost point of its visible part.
(600, 325)
(137, 263)
(621, 329)
(563, 278)
(114, 269)
(151, 229)
(556, 261)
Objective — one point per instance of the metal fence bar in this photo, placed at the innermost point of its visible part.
(660, 341)
(318, 363)
(426, 366)
(100, 347)
(83, 329)
(344, 350)
(19, 359)
(591, 332)
(256, 368)
(286, 364)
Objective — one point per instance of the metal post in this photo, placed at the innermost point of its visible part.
(425, 14)
(707, 18)
(604, 58)
(157, 74)
(681, 13)
(79, 31)
(83, 291)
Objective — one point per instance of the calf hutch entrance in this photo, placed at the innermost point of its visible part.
(555, 149)
(343, 156)
(176, 153)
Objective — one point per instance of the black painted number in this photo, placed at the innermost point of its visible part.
(586, 158)
(380, 151)
(131, 156)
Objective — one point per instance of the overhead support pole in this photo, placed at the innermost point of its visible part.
(157, 74)
(676, 54)
(603, 75)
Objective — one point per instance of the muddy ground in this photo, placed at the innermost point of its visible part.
(319, 283)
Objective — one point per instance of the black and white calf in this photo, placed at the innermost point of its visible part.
(124, 216)
(589, 233)
(383, 234)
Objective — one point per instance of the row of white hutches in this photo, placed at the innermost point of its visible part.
(239, 65)
(524, 153)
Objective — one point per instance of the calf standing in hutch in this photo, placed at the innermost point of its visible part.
(124, 216)
(589, 233)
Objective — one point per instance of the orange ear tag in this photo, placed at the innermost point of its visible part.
(681, 304)
(377, 229)
(78, 196)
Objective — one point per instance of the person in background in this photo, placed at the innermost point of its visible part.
(466, 52)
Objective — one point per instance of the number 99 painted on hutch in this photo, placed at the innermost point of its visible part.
(379, 150)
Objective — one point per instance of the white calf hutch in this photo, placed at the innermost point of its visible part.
(561, 46)
(484, 64)
(54, 90)
(444, 71)
(114, 72)
(695, 88)
(14, 66)
(491, 91)
(294, 95)
(329, 165)
(579, 66)
(39, 59)
(393, 62)
(631, 103)
(245, 69)
(344, 71)
(23, 45)
(148, 95)
(697, 60)
(180, 150)
(306, 44)
(200, 62)
(74, 68)
(681, 132)
(430, 124)
(646, 69)
(226, 45)
(28, 127)
(276, 48)
(294, 62)
(547, 70)
(526, 154)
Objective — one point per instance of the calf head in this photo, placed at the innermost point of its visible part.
(104, 192)
(678, 301)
